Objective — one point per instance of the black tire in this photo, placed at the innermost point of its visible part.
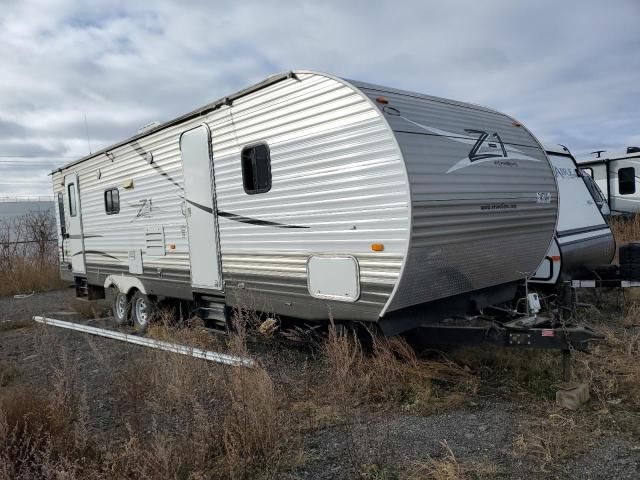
(143, 309)
(121, 307)
(630, 253)
(630, 271)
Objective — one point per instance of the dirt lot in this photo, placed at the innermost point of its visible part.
(502, 423)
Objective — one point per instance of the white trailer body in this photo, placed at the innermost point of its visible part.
(617, 177)
(583, 239)
(312, 196)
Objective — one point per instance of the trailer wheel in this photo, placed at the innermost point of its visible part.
(630, 253)
(143, 308)
(121, 308)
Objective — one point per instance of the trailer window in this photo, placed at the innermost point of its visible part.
(71, 189)
(588, 171)
(112, 201)
(63, 228)
(256, 168)
(627, 181)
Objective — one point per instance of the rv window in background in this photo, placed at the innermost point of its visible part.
(588, 171)
(72, 199)
(256, 169)
(63, 228)
(627, 181)
(112, 201)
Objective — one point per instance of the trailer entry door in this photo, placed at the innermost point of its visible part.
(197, 169)
(74, 223)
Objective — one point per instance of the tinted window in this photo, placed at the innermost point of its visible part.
(72, 199)
(112, 201)
(63, 228)
(256, 169)
(627, 181)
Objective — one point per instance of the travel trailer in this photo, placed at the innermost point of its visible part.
(617, 176)
(583, 239)
(312, 197)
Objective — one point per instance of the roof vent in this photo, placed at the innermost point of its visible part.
(633, 149)
(148, 126)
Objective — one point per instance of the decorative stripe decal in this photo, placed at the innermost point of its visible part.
(255, 221)
(149, 159)
(95, 252)
(78, 237)
(201, 207)
(240, 218)
(590, 228)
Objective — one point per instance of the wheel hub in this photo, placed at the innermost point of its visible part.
(141, 311)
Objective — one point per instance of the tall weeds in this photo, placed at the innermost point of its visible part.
(625, 229)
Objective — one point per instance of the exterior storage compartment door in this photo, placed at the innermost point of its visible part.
(74, 224)
(200, 212)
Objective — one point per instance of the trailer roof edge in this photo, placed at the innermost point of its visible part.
(226, 100)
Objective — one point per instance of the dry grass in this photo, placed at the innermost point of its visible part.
(182, 417)
(448, 467)
(8, 373)
(519, 372)
(26, 276)
(625, 229)
(391, 372)
(555, 436)
(363, 385)
(613, 370)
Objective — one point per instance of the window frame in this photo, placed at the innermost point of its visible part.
(627, 191)
(110, 210)
(254, 170)
(73, 206)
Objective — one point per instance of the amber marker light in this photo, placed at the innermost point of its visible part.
(516, 123)
(382, 100)
(172, 246)
(555, 258)
(377, 247)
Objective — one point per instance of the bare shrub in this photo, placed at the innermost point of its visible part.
(29, 254)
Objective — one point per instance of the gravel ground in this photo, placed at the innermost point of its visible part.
(482, 431)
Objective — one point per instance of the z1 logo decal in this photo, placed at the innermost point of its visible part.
(489, 147)
(485, 147)
(475, 155)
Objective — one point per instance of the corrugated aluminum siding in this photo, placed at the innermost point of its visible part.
(336, 170)
(476, 226)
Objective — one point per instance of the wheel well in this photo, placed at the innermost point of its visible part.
(132, 291)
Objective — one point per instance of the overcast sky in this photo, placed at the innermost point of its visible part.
(570, 71)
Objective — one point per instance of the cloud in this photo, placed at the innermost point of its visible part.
(568, 70)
